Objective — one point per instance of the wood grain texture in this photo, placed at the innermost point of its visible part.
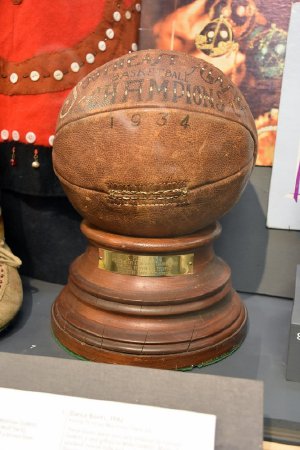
(165, 322)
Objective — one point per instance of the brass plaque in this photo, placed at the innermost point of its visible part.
(146, 265)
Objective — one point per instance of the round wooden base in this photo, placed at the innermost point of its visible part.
(166, 322)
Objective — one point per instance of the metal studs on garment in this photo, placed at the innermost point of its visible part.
(117, 16)
(75, 67)
(15, 135)
(13, 78)
(110, 33)
(30, 137)
(58, 75)
(4, 134)
(66, 68)
(90, 58)
(34, 75)
(51, 140)
(102, 46)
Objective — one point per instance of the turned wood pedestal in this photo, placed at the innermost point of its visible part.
(182, 311)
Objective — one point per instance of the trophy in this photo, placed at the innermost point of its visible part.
(151, 149)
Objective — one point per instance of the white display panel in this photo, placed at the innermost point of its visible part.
(34, 421)
(284, 199)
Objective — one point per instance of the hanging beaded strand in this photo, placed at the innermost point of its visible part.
(35, 164)
(13, 161)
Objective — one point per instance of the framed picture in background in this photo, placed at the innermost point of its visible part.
(246, 39)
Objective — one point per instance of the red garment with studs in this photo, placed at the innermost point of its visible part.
(46, 48)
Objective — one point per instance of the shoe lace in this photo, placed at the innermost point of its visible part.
(7, 257)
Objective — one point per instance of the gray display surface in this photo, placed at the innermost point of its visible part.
(238, 404)
(262, 356)
(262, 260)
(293, 360)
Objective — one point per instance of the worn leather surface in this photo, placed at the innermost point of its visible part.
(154, 143)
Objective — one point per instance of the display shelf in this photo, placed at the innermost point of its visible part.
(239, 426)
(262, 355)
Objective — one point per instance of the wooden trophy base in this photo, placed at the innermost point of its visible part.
(165, 303)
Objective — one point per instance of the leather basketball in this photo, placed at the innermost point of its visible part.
(155, 143)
